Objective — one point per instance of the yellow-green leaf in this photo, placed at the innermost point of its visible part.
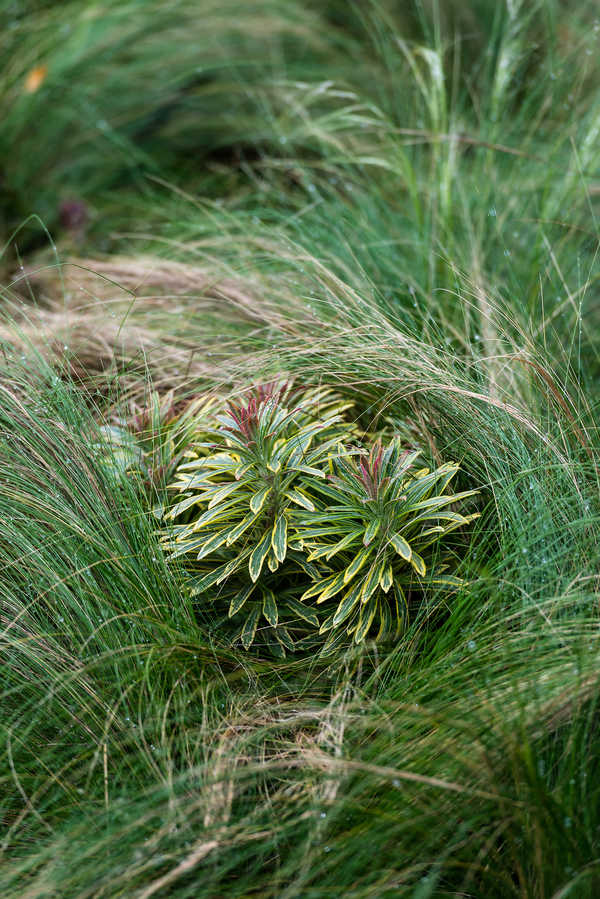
(347, 604)
(418, 564)
(326, 625)
(212, 544)
(212, 515)
(233, 565)
(344, 542)
(258, 500)
(371, 582)
(283, 636)
(334, 587)
(297, 497)
(183, 505)
(356, 564)
(367, 614)
(221, 494)
(318, 587)
(250, 626)
(269, 608)
(238, 601)
(304, 612)
(210, 579)
(402, 547)
(258, 556)
(279, 537)
(371, 531)
(386, 578)
(240, 528)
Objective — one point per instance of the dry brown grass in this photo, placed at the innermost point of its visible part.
(130, 316)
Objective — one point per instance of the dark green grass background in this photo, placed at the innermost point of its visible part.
(399, 200)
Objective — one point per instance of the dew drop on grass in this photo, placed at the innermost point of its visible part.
(472, 645)
(492, 212)
(323, 814)
(541, 767)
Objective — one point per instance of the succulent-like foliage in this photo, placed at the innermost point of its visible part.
(377, 518)
(249, 478)
(150, 442)
(284, 522)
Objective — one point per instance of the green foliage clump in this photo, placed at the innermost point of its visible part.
(378, 517)
(279, 509)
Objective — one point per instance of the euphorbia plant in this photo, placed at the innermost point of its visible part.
(293, 531)
(248, 479)
(377, 519)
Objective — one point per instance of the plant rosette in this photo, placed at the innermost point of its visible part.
(378, 520)
(278, 519)
(239, 493)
